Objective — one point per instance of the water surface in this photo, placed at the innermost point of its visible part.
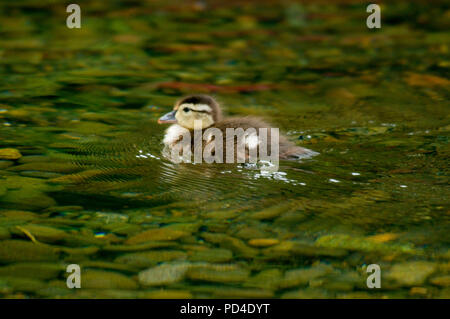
(90, 185)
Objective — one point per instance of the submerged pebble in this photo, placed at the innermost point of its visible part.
(266, 279)
(9, 154)
(271, 212)
(218, 275)
(344, 241)
(234, 244)
(13, 250)
(213, 255)
(163, 274)
(105, 265)
(36, 270)
(443, 281)
(302, 276)
(40, 232)
(288, 249)
(263, 242)
(411, 273)
(160, 234)
(3, 190)
(4, 233)
(23, 285)
(5, 164)
(19, 215)
(138, 247)
(99, 279)
(149, 258)
(26, 193)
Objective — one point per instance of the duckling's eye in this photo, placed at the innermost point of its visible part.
(186, 109)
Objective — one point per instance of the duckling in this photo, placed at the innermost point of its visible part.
(206, 110)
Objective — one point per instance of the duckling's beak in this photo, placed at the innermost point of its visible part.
(168, 118)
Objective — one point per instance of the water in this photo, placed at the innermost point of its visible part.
(92, 188)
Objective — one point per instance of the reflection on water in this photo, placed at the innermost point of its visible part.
(83, 180)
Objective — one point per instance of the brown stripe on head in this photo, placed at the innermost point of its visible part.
(202, 99)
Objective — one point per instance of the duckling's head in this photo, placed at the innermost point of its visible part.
(193, 108)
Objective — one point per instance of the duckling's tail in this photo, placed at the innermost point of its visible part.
(297, 152)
